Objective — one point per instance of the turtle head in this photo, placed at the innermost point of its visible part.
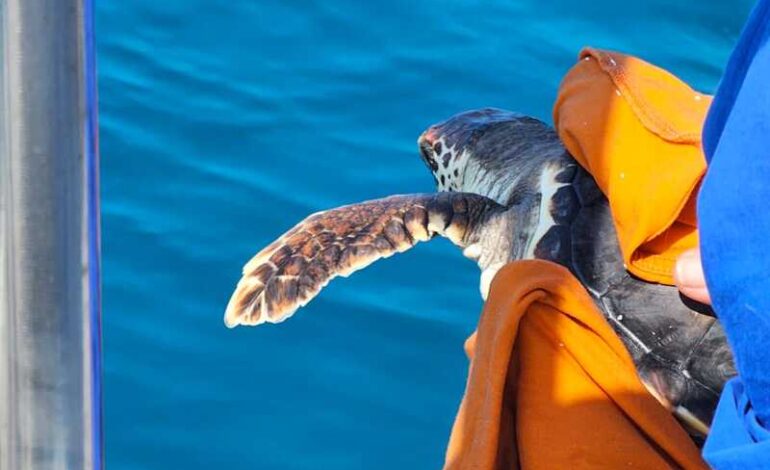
(487, 151)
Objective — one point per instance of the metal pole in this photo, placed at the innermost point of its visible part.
(50, 396)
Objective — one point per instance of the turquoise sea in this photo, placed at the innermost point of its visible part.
(224, 123)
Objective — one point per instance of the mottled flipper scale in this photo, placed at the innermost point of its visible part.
(292, 270)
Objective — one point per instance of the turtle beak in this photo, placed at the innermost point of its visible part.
(429, 136)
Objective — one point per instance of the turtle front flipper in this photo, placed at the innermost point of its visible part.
(289, 272)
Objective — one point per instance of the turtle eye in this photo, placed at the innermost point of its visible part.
(428, 156)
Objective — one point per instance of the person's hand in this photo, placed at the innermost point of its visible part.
(689, 277)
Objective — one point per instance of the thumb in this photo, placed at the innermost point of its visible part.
(689, 277)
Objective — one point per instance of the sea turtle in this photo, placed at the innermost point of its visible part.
(507, 190)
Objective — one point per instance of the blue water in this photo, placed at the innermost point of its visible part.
(224, 123)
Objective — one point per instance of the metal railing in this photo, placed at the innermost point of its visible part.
(50, 371)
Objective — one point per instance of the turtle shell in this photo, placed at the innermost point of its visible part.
(678, 346)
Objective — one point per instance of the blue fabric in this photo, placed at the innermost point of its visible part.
(737, 440)
(734, 219)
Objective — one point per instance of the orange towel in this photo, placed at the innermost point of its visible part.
(637, 128)
(550, 384)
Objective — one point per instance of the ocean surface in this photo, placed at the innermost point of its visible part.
(224, 123)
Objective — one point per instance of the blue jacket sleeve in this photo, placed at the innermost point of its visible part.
(734, 219)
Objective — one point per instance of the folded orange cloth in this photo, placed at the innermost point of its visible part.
(550, 384)
(637, 129)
